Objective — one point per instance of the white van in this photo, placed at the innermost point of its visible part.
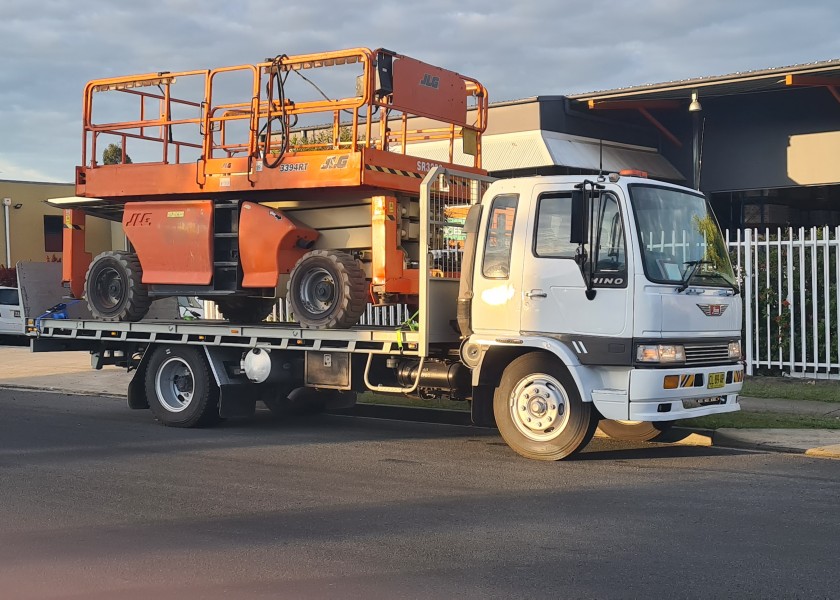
(11, 313)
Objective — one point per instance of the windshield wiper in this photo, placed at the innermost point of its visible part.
(733, 286)
(693, 265)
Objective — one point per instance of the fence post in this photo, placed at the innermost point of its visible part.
(748, 294)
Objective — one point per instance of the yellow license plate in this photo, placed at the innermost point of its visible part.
(717, 380)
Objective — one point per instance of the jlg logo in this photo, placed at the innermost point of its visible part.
(430, 81)
(139, 219)
(335, 162)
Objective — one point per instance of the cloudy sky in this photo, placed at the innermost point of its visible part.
(49, 49)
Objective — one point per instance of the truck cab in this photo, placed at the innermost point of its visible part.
(605, 298)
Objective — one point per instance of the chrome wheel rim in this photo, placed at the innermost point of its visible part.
(539, 407)
(175, 384)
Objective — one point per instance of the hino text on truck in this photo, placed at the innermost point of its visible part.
(550, 304)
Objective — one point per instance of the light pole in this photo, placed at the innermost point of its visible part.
(694, 108)
(7, 202)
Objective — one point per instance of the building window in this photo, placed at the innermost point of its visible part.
(53, 234)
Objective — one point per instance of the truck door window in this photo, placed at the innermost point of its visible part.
(497, 245)
(554, 227)
(610, 255)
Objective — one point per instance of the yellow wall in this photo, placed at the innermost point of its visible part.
(812, 158)
(26, 223)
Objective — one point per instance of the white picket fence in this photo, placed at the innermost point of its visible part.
(789, 280)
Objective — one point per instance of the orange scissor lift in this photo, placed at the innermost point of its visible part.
(238, 184)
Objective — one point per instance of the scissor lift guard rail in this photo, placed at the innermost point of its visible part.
(236, 184)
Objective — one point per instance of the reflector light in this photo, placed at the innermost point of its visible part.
(633, 173)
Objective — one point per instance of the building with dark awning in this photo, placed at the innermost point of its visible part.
(763, 145)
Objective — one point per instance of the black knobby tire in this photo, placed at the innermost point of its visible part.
(180, 387)
(242, 309)
(327, 290)
(539, 411)
(634, 431)
(114, 289)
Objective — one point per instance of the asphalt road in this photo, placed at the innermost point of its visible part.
(97, 501)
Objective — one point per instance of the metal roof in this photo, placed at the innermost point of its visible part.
(718, 85)
(540, 148)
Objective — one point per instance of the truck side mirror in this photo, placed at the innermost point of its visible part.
(579, 234)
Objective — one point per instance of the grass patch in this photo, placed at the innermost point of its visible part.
(761, 420)
(791, 388)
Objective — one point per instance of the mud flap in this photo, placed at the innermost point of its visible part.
(238, 400)
(481, 407)
(137, 385)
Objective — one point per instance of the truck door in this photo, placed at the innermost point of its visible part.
(554, 296)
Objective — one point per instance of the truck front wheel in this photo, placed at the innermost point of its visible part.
(634, 431)
(180, 388)
(539, 411)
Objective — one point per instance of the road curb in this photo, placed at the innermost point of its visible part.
(832, 451)
(55, 390)
(731, 439)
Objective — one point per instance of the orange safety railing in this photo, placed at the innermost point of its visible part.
(422, 103)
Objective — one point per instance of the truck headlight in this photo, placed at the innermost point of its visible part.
(660, 353)
(735, 350)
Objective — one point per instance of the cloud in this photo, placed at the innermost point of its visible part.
(17, 172)
(522, 49)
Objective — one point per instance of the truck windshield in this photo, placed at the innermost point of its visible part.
(680, 238)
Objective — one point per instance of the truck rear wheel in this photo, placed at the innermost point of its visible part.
(539, 411)
(180, 388)
(634, 431)
(242, 309)
(113, 288)
(327, 290)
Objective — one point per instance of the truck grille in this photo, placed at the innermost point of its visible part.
(707, 354)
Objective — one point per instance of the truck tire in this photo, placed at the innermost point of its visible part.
(634, 431)
(113, 288)
(308, 401)
(180, 388)
(276, 399)
(539, 411)
(242, 309)
(327, 290)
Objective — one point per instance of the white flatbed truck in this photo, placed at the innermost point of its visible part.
(551, 304)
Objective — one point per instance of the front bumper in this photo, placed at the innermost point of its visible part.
(650, 401)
